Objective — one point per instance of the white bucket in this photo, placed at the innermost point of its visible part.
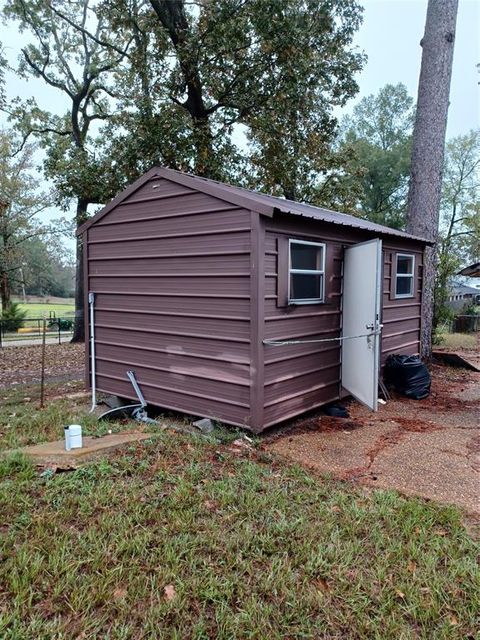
(73, 437)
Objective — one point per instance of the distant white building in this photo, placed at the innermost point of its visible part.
(460, 293)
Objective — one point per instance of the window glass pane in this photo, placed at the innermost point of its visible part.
(404, 286)
(305, 286)
(304, 256)
(404, 264)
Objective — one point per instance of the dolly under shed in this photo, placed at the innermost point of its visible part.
(243, 307)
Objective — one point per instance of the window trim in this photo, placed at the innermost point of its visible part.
(321, 272)
(410, 275)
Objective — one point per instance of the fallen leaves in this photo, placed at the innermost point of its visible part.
(322, 585)
(169, 592)
(22, 364)
(119, 593)
(453, 620)
(211, 505)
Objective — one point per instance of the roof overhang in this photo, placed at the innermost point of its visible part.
(252, 201)
(472, 270)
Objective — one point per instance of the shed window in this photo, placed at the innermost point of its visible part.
(306, 274)
(404, 282)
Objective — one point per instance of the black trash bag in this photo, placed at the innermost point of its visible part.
(407, 375)
(336, 411)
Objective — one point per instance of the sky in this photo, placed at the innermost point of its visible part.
(390, 36)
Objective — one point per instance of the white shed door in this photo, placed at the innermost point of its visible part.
(361, 299)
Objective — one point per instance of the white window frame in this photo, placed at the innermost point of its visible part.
(320, 272)
(405, 275)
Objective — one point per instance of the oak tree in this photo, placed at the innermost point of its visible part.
(378, 134)
(78, 68)
(21, 202)
(459, 234)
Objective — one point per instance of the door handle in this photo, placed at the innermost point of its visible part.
(370, 326)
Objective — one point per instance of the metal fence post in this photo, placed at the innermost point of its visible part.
(42, 378)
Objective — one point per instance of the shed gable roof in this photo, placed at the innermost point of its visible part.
(259, 202)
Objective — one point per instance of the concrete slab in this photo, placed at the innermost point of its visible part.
(53, 453)
(429, 448)
(439, 465)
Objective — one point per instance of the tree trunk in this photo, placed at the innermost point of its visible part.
(429, 144)
(79, 327)
(4, 290)
(204, 155)
(4, 281)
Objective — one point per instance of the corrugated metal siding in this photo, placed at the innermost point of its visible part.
(299, 378)
(402, 317)
(286, 206)
(178, 300)
(170, 268)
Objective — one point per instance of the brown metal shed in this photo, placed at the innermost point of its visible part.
(231, 304)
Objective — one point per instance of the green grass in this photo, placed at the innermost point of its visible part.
(43, 310)
(22, 423)
(252, 547)
(457, 340)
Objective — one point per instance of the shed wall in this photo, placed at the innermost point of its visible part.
(170, 268)
(402, 317)
(188, 285)
(299, 378)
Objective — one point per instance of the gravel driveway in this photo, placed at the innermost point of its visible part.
(429, 448)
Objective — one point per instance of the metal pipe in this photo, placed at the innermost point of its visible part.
(133, 380)
(91, 303)
(42, 376)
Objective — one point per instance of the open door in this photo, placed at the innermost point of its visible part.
(361, 299)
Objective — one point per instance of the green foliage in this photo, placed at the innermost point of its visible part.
(12, 317)
(3, 65)
(46, 268)
(63, 324)
(460, 205)
(58, 52)
(378, 137)
(447, 265)
(21, 203)
(177, 85)
(459, 232)
(291, 133)
(470, 309)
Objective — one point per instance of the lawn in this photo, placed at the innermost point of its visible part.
(183, 537)
(44, 310)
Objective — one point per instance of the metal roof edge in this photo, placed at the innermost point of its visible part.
(377, 228)
(217, 190)
(248, 200)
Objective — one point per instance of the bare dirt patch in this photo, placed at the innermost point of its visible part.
(22, 365)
